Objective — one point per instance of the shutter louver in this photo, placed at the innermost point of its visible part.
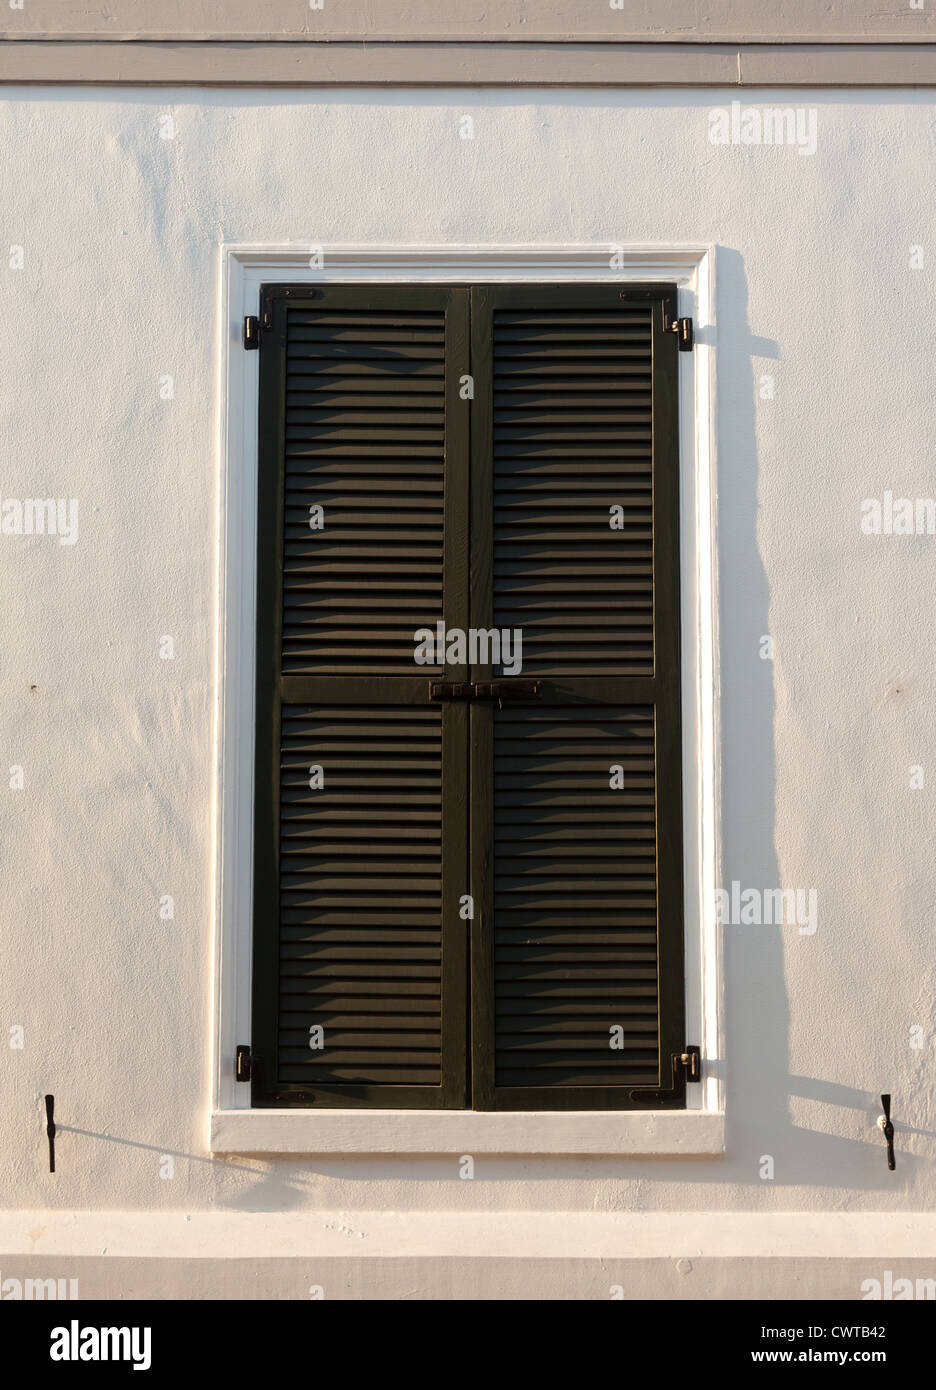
(365, 433)
(572, 439)
(361, 896)
(574, 898)
(361, 836)
(577, 793)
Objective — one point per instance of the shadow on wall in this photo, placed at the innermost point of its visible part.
(760, 1086)
(757, 1008)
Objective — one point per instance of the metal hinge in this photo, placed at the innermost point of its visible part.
(251, 332)
(243, 1064)
(681, 327)
(691, 1059)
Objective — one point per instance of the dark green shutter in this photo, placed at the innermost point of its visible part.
(357, 883)
(577, 886)
(578, 931)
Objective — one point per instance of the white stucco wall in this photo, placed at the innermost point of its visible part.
(120, 231)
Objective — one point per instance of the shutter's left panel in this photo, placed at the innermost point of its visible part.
(360, 954)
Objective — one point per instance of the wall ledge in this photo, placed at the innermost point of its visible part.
(513, 1235)
(618, 1132)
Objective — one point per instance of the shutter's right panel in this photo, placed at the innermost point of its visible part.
(577, 831)
(575, 904)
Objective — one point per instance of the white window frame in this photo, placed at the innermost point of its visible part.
(233, 1126)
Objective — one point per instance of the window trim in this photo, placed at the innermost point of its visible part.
(232, 1128)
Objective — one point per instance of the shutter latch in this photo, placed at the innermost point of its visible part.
(243, 1064)
(50, 1129)
(485, 690)
(449, 690)
(506, 690)
(251, 332)
(681, 327)
(887, 1125)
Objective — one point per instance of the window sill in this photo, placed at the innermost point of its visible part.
(467, 1131)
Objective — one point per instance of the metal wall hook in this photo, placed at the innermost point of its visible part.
(885, 1123)
(50, 1130)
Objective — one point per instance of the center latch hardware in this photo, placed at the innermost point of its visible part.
(485, 690)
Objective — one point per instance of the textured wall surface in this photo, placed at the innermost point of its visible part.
(818, 288)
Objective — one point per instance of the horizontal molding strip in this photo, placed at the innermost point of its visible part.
(414, 34)
(477, 64)
(314, 1233)
(493, 21)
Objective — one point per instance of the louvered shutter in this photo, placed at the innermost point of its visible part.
(360, 954)
(577, 944)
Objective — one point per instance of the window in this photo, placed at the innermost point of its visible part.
(468, 822)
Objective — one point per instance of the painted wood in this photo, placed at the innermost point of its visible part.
(513, 21)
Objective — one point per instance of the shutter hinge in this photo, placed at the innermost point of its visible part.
(681, 327)
(691, 1059)
(251, 332)
(243, 1065)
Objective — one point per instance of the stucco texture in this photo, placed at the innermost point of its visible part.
(120, 230)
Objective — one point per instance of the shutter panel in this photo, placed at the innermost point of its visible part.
(365, 437)
(361, 828)
(577, 938)
(360, 895)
